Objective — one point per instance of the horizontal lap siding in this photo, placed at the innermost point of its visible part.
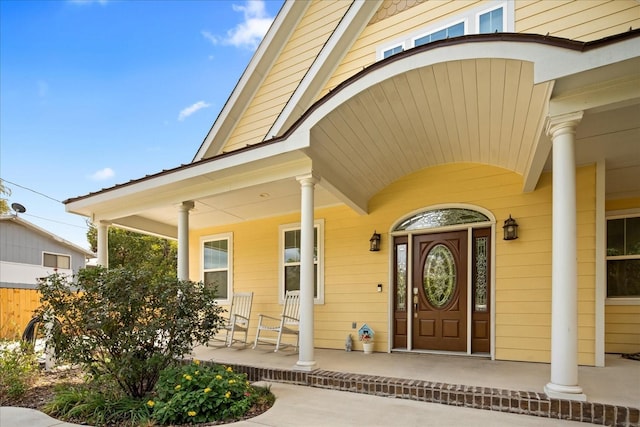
(352, 272)
(282, 80)
(577, 20)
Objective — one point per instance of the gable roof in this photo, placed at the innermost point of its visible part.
(41, 231)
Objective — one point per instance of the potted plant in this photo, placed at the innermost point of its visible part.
(367, 342)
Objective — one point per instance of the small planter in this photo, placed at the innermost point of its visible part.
(368, 347)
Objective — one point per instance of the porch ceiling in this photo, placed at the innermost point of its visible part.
(476, 110)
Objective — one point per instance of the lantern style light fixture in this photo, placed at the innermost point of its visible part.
(510, 228)
(374, 242)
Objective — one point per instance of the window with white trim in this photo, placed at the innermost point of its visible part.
(623, 257)
(480, 20)
(289, 250)
(56, 261)
(217, 263)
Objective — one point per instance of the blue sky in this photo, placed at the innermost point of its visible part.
(95, 93)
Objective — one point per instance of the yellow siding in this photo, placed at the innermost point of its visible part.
(297, 56)
(523, 266)
(622, 329)
(622, 204)
(16, 310)
(578, 20)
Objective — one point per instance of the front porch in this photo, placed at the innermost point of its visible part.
(516, 387)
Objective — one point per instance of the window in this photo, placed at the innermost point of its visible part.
(491, 21)
(217, 264)
(445, 33)
(392, 51)
(290, 260)
(623, 257)
(56, 261)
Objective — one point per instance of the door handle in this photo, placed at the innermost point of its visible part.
(415, 305)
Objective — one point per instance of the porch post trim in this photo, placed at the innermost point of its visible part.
(306, 357)
(103, 243)
(564, 292)
(183, 239)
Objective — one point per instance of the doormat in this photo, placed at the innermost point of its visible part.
(632, 356)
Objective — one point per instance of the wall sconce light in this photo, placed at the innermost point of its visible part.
(374, 242)
(510, 228)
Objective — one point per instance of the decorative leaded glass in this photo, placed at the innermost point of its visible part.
(439, 276)
(401, 277)
(480, 284)
(441, 217)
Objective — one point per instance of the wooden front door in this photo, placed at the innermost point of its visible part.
(439, 291)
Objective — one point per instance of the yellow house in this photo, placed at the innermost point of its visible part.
(425, 128)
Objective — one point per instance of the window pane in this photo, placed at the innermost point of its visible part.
(456, 30)
(623, 278)
(481, 283)
(64, 261)
(292, 246)
(389, 52)
(217, 279)
(216, 254)
(491, 22)
(50, 260)
(632, 234)
(615, 237)
(441, 217)
(423, 40)
(401, 277)
(292, 279)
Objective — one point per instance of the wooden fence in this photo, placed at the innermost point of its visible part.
(16, 309)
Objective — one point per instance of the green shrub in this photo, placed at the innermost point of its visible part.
(129, 325)
(196, 394)
(18, 368)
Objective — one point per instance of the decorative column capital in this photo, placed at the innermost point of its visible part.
(308, 179)
(563, 124)
(186, 206)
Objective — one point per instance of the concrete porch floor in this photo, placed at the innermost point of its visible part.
(618, 383)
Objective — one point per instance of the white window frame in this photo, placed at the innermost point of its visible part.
(631, 213)
(318, 225)
(432, 30)
(505, 12)
(58, 255)
(217, 237)
(390, 47)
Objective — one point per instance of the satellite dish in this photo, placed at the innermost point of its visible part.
(18, 208)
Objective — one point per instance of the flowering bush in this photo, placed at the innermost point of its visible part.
(196, 394)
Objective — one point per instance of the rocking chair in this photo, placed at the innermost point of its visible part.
(286, 324)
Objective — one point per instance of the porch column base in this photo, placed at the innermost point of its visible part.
(305, 366)
(566, 392)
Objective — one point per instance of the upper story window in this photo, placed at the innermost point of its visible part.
(56, 261)
(290, 236)
(217, 263)
(623, 257)
(500, 17)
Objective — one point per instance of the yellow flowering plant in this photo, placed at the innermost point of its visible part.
(200, 393)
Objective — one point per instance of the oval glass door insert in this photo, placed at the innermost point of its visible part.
(439, 276)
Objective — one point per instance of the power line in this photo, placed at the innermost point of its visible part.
(33, 191)
(59, 222)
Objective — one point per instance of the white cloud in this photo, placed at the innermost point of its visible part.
(102, 174)
(248, 33)
(186, 112)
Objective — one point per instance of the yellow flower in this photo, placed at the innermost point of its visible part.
(196, 372)
(151, 403)
(229, 369)
(232, 381)
(188, 377)
(207, 390)
(227, 394)
(191, 413)
(248, 383)
(178, 387)
(218, 377)
(196, 361)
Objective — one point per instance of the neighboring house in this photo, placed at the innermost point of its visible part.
(429, 123)
(27, 253)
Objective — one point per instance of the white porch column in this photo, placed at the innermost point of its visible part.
(103, 243)
(183, 240)
(564, 294)
(306, 360)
